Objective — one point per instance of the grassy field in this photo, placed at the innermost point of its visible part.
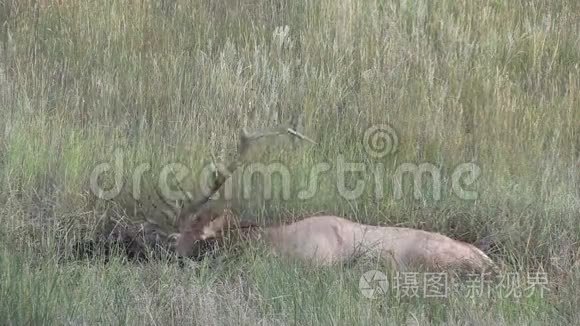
(494, 84)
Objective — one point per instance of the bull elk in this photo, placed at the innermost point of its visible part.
(325, 239)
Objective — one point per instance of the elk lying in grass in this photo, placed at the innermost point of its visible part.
(327, 240)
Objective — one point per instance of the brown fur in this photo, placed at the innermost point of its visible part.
(327, 240)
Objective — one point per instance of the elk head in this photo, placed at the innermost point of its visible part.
(207, 225)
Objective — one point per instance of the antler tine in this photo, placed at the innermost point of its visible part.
(299, 135)
(277, 132)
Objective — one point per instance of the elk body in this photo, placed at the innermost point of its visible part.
(327, 240)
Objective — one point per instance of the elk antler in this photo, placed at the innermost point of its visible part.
(223, 174)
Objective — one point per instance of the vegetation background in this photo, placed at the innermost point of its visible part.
(494, 82)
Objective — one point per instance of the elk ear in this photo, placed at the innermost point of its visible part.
(213, 227)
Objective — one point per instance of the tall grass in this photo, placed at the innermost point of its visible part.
(494, 83)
